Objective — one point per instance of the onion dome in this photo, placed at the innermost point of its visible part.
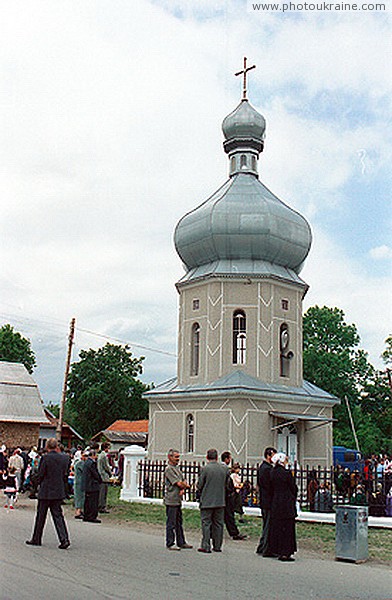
(243, 228)
(244, 122)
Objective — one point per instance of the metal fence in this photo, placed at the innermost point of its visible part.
(341, 483)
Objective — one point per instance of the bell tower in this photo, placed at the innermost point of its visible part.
(239, 383)
(243, 249)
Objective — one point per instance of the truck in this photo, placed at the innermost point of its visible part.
(347, 458)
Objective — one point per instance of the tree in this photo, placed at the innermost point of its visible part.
(54, 409)
(333, 361)
(376, 400)
(103, 387)
(15, 348)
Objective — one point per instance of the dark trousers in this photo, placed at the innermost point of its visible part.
(212, 527)
(91, 506)
(174, 528)
(231, 527)
(103, 494)
(58, 519)
(263, 547)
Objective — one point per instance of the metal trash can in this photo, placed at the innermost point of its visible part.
(352, 533)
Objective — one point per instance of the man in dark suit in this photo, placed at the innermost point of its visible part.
(230, 523)
(52, 478)
(264, 485)
(91, 484)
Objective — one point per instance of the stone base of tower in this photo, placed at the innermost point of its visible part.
(244, 416)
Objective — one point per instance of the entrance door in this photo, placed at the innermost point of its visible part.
(287, 442)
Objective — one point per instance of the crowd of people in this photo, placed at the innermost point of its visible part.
(54, 474)
(218, 490)
(370, 487)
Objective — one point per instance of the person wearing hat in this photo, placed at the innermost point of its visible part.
(282, 539)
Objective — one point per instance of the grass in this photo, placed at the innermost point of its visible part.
(313, 537)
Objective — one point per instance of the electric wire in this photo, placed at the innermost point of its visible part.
(88, 331)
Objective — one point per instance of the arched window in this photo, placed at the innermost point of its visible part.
(243, 161)
(190, 433)
(239, 337)
(195, 349)
(254, 163)
(285, 355)
(232, 160)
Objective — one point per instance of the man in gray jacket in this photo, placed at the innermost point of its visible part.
(211, 489)
(105, 472)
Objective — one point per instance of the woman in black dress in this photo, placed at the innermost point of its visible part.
(283, 509)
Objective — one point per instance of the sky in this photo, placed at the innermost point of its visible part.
(111, 119)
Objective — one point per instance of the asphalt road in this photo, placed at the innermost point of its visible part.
(126, 562)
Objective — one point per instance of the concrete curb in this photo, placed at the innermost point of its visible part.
(304, 516)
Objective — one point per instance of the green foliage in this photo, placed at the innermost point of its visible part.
(15, 348)
(103, 387)
(54, 409)
(387, 354)
(333, 361)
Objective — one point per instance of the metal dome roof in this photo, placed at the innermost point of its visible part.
(244, 122)
(243, 221)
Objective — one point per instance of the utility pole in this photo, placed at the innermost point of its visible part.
(64, 394)
(352, 423)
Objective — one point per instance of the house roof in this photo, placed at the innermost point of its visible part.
(127, 437)
(129, 426)
(20, 399)
(239, 383)
(52, 421)
(127, 432)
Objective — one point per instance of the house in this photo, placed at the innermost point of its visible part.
(69, 436)
(21, 406)
(124, 433)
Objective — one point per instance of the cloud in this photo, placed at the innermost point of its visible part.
(336, 279)
(111, 133)
(381, 252)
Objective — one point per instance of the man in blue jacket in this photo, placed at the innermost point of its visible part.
(52, 479)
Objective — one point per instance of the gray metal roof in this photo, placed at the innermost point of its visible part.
(243, 222)
(239, 383)
(259, 269)
(128, 437)
(20, 400)
(244, 122)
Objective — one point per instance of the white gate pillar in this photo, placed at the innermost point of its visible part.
(132, 456)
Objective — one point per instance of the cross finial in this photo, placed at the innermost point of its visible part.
(244, 72)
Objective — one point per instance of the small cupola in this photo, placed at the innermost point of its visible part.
(244, 131)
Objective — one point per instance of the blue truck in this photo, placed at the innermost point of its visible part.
(347, 458)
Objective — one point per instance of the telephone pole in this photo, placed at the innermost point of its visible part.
(64, 394)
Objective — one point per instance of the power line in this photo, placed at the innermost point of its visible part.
(88, 331)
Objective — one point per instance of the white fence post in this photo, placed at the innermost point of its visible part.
(132, 456)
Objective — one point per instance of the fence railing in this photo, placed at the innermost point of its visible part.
(342, 485)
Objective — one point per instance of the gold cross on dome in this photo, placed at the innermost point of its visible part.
(244, 72)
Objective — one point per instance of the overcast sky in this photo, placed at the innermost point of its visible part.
(111, 119)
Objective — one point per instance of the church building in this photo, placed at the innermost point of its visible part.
(239, 384)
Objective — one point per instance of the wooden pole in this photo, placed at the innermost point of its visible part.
(67, 366)
(352, 423)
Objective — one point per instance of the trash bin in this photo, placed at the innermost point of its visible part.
(352, 533)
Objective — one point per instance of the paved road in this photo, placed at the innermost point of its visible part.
(123, 562)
